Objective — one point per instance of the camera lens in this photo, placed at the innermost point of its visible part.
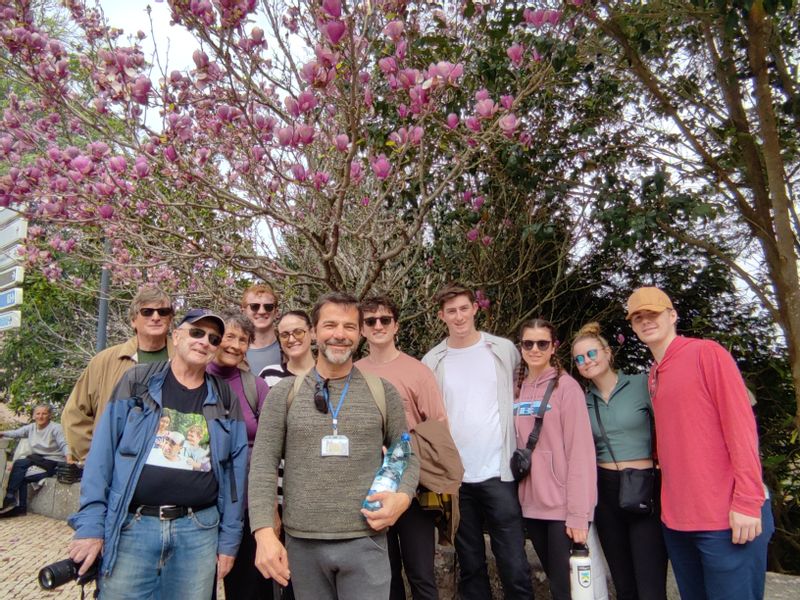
(46, 579)
(57, 574)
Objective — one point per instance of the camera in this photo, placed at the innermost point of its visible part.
(64, 571)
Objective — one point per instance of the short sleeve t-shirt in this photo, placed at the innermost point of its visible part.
(178, 470)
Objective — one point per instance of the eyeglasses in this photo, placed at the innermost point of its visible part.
(255, 306)
(385, 321)
(164, 311)
(198, 334)
(321, 396)
(542, 345)
(580, 359)
(297, 334)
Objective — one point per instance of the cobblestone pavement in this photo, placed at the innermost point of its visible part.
(26, 545)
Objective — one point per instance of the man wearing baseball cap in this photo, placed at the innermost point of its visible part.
(716, 516)
(163, 527)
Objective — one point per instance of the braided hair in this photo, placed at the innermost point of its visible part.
(522, 372)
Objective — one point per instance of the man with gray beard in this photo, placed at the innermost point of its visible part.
(329, 427)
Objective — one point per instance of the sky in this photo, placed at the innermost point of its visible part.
(175, 44)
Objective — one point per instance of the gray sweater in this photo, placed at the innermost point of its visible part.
(47, 442)
(323, 495)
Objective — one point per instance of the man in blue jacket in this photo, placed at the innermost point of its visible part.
(162, 524)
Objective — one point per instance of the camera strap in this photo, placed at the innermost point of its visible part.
(533, 438)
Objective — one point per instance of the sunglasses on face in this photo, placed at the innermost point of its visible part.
(198, 334)
(321, 396)
(255, 306)
(385, 321)
(297, 334)
(581, 359)
(542, 345)
(164, 311)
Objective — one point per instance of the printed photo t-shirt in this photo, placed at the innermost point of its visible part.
(178, 469)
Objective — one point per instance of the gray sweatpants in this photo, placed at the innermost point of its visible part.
(354, 569)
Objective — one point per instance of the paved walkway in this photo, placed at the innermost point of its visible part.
(26, 545)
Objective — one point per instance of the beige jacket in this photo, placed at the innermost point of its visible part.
(92, 392)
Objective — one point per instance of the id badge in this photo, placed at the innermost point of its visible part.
(335, 445)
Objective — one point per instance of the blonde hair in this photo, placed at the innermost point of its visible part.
(591, 331)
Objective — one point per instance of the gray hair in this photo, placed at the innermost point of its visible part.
(240, 320)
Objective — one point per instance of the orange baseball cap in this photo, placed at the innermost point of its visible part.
(648, 298)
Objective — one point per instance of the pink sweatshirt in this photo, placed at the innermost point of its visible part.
(706, 437)
(563, 481)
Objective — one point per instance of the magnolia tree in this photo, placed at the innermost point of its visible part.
(309, 143)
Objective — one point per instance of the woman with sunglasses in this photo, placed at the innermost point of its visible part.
(295, 337)
(633, 543)
(243, 581)
(559, 494)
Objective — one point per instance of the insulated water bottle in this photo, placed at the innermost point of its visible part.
(580, 573)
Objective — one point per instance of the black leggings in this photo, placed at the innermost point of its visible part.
(633, 544)
(552, 545)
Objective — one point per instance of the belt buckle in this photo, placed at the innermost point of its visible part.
(161, 515)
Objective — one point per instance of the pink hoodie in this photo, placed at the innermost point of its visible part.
(563, 481)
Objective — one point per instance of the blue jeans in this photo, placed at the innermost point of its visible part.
(708, 566)
(165, 560)
(495, 504)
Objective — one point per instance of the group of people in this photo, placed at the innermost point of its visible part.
(293, 440)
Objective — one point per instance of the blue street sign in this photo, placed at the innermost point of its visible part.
(10, 298)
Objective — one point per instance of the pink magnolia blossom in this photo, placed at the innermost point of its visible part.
(393, 30)
(320, 180)
(342, 142)
(381, 166)
(257, 35)
(292, 106)
(446, 70)
(118, 164)
(356, 172)
(473, 123)
(399, 137)
(82, 164)
(478, 202)
(452, 120)
(299, 172)
(334, 30)
(106, 211)
(472, 234)
(533, 17)
(552, 16)
(365, 201)
(486, 108)
(509, 123)
(387, 65)
(507, 101)
(333, 8)
(515, 53)
(536, 56)
(415, 135)
(140, 90)
(306, 101)
(482, 299)
(368, 97)
(487, 240)
(482, 94)
(141, 168)
(305, 133)
(400, 49)
(285, 135)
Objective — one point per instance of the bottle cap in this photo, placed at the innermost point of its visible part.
(405, 437)
(579, 550)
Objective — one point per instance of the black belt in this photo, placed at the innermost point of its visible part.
(167, 512)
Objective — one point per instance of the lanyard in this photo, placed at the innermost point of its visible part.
(335, 413)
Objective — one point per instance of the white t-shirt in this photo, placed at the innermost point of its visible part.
(470, 397)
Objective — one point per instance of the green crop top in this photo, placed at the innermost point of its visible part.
(626, 418)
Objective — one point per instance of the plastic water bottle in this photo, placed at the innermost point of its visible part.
(580, 573)
(388, 477)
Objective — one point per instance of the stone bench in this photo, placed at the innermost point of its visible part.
(53, 499)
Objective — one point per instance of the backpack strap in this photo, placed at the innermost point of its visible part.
(250, 391)
(374, 384)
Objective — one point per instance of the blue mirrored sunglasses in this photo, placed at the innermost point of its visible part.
(580, 359)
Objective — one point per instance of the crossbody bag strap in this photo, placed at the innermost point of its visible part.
(603, 430)
(533, 438)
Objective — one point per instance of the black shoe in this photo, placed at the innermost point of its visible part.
(16, 511)
(8, 504)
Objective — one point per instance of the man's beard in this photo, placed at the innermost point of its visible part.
(337, 358)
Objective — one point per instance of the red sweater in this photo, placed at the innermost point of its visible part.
(706, 437)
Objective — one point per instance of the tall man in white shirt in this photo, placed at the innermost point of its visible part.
(475, 371)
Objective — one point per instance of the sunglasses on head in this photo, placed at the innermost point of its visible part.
(297, 334)
(213, 338)
(580, 359)
(164, 311)
(321, 396)
(255, 306)
(385, 321)
(542, 345)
